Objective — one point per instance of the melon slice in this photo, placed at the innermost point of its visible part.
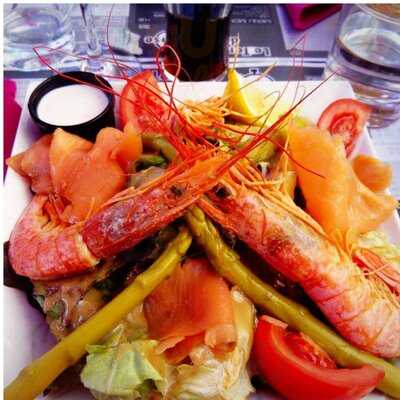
(339, 201)
(66, 152)
(372, 172)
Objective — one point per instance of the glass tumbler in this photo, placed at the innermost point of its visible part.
(199, 34)
(27, 26)
(366, 51)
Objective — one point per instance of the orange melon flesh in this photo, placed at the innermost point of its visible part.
(339, 201)
(131, 146)
(66, 152)
(194, 301)
(373, 173)
(124, 147)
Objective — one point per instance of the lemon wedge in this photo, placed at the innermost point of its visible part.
(250, 104)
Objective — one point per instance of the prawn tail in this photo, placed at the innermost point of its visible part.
(42, 249)
(361, 308)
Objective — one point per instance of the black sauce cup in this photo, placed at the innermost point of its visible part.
(87, 129)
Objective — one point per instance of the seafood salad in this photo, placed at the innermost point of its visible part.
(211, 249)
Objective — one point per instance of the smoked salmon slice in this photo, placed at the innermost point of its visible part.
(87, 174)
(123, 147)
(34, 164)
(83, 173)
(80, 174)
(193, 305)
(179, 352)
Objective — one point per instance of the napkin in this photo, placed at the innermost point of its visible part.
(12, 112)
(303, 16)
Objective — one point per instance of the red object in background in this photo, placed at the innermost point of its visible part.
(12, 112)
(303, 16)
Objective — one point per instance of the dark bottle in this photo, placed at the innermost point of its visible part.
(199, 34)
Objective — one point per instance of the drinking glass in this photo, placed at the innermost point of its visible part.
(93, 63)
(366, 51)
(116, 39)
(30, 25)
(199, 35)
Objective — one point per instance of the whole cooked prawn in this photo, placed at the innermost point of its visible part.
(43, 248)
(363, 311)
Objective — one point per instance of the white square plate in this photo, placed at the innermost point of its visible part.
(26, 335)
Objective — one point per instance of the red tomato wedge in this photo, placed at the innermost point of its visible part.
(34, 164)
(138, 105)
(298, 369)
(194, 300)
(304, 348)
(346, 118)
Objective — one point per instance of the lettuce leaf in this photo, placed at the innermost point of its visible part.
(126, 365)
(223, 378)
(381, 258)
(379, 244)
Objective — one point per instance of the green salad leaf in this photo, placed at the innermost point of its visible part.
(379, 244)
(209, 377)
(127, 366)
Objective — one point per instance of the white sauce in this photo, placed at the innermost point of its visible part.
(71, 105)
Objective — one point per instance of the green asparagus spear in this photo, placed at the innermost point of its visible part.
(228, 264)
(262, 152)
(34, 378)
(158, 142)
